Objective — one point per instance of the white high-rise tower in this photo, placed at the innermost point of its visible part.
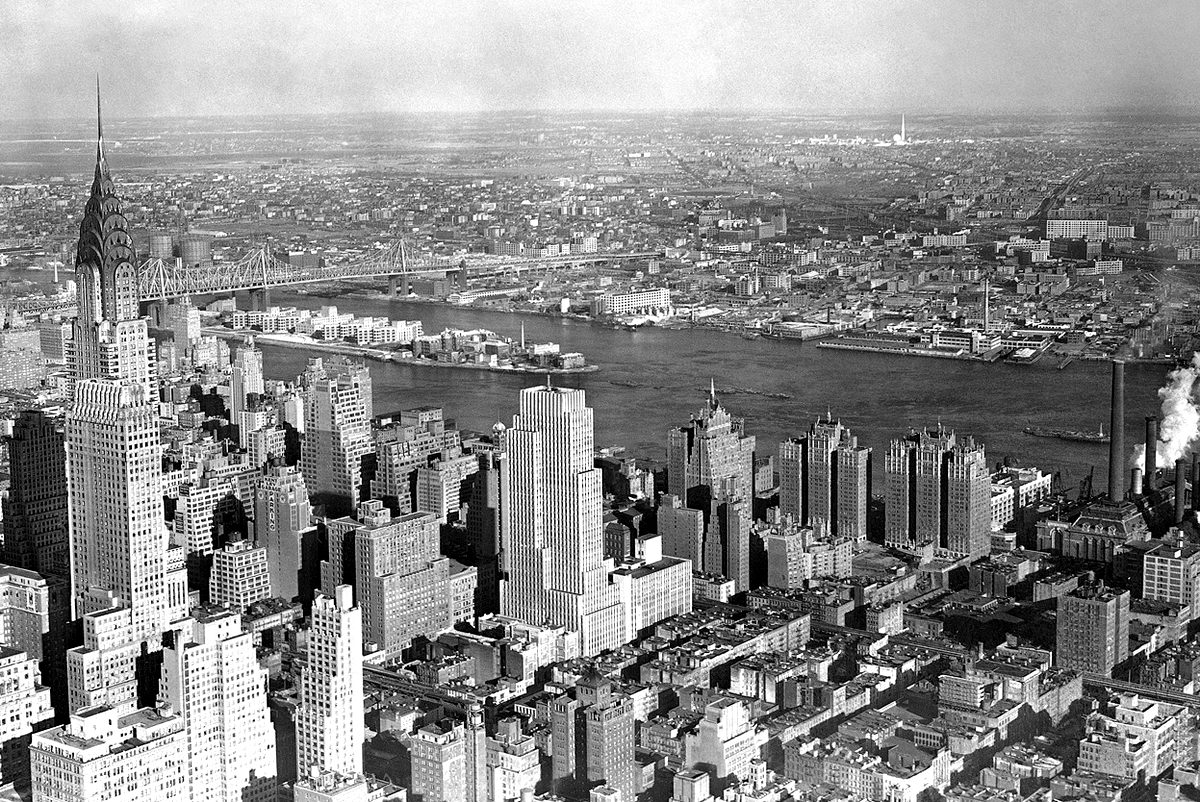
(329, 719)
(555, 571)
(211, 677)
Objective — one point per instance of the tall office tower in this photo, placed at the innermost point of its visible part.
(711, 448)
(212, 679)
(592, 736)
(405, 444)
(115, 755)
(246, 377)
(710, 467)
(793, 484)
(114, 464)
(24, 709)
(240, 575)
(484, 516)
(513, 762)
(118, 538)
(1093, 628)
(439, 762)
(554, 570)
(208, 513)
(245, 388)
(727, 536)
(282, 517)
(35, 509)
(329, 717)
(968, 502)
(337, 437)
(937, 490)
(403, 581)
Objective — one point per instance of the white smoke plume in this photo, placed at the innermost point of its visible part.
(1179, 420)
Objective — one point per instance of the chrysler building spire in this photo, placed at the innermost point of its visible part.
(106, 279)
(101, 166)
(104, 261)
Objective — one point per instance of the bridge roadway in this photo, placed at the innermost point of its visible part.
(160, 279)
(1090, 679)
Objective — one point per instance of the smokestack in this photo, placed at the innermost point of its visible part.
(1196, 483)
(1180, 489)
(1135, 481)
(1148, 478)
(1116, 433)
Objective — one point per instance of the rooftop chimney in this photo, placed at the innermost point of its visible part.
(1116, 432)
(1180, 489)
(1135, 481)
(1196, 482)
(1148, 478)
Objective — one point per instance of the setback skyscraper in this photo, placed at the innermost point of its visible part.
(329, 718)
(710, 469)
(554, 567)
(114, 460)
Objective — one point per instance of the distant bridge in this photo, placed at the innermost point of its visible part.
(259, 270)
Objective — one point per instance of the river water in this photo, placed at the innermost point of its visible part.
(878, 396)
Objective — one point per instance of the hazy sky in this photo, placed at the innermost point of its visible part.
(189, 57)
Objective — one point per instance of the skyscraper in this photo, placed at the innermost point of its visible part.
(282, 517)
(329, 717)
(938, 490)
(245, 383)
(211, 677)
(114, 464)
(109, 340)
(553, 537)
(793, 484)
(35, 509)
(337, 437)
(402, 579)
(825, 480)
(711, 448)
(710, 468)
(484, 517)
(592, 737)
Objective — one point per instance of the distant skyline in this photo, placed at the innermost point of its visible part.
(203, 58)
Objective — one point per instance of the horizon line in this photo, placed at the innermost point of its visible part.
(1189, 111)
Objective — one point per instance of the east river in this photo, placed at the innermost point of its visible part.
(651, 380)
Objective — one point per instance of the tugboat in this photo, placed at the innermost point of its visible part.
(1069, 434)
